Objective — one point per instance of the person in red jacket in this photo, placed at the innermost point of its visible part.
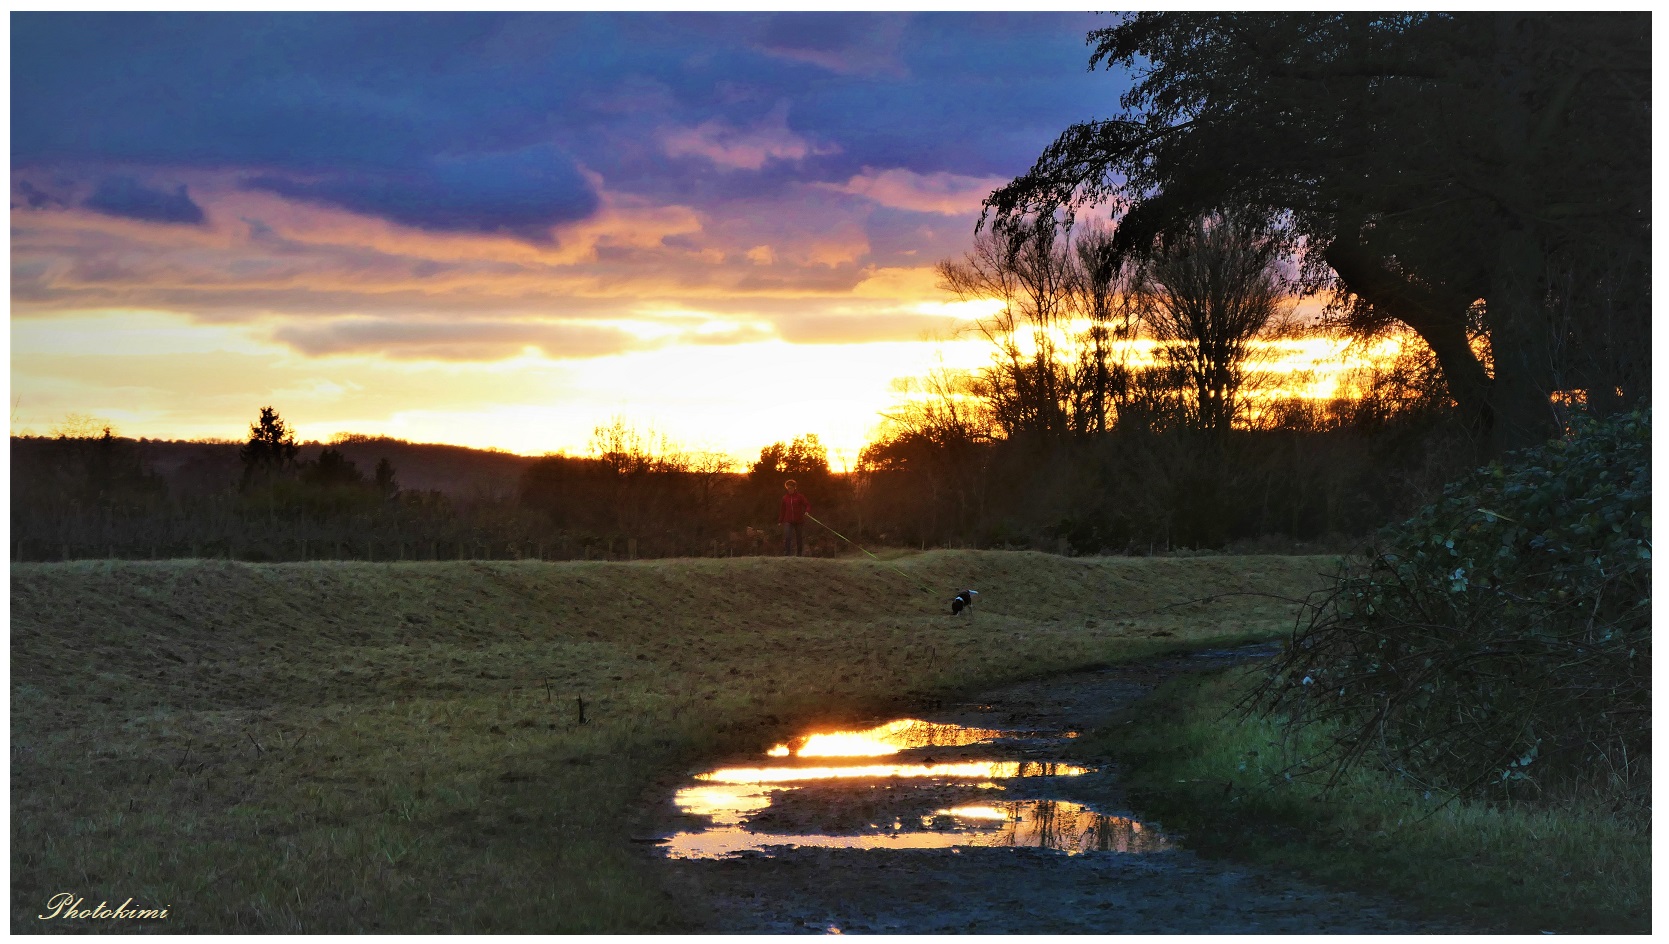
(795, 507)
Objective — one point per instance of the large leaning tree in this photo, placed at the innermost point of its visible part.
(1484, 179)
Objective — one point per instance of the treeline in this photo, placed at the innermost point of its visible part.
(1306, 472)
(76, 496)
(936, 477)
(105, 496)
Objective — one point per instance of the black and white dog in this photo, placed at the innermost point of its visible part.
(962, 601)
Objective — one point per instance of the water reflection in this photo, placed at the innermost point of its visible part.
(1057, 824)
(881, 740)
(1044, 824)
(982, 769)
(740, 802)
(726, 805)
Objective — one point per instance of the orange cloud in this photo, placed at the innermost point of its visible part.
(938, 192)
(916, 283)
(848, 244)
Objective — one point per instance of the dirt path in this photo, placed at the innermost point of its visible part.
(1133, 878)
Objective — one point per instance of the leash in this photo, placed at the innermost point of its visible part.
(874, 558)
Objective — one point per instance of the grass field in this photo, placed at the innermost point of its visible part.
(397, 747)
(1584, 867)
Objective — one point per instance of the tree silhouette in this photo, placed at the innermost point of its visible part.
(646, 473)
(270, 452)
(1100, 272)
(387, 485)
(1030, 385)
(1205, 295)
(332, 470)
(115, 478)
(805, 459)
(1427, 161)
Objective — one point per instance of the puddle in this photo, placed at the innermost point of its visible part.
(828, 790)
(1056, 852)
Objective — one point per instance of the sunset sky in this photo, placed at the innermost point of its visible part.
(505, 230)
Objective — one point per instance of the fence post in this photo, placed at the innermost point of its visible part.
(631, 548)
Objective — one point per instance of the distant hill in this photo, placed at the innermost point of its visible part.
(209, 466)
(455, 470)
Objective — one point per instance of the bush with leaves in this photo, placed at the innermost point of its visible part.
(1499, 642)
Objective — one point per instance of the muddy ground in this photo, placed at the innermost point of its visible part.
(1164, 888)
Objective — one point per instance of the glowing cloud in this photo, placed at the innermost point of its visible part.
(743, 149)
(938, 192)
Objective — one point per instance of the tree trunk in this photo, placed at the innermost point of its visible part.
(1439, 320)
(1519, 330)
(1521, 397)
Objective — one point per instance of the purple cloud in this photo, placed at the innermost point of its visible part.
(125, 196)
(524, 193)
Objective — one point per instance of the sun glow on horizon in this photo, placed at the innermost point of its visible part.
(166, 376)
(702, 384)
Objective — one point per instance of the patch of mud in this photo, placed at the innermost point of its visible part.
(978, 818)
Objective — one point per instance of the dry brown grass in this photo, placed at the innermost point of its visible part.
(395, 747)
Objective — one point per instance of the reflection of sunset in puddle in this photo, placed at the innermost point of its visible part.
(1040, 824)
(973, 812)
(727, 805)
(985, 769)
(731, 797)
(889, 738)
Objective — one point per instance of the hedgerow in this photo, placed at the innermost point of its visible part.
(1498, 643)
